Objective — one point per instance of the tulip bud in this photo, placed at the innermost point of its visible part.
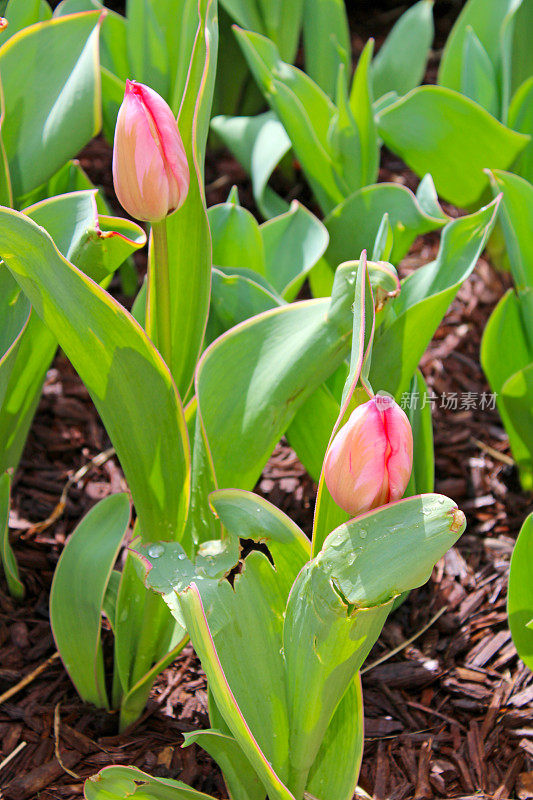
(150, 169)
(370, 459)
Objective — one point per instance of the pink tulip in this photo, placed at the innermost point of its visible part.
(370, 459)
(150, 169)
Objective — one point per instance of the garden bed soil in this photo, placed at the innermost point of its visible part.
(447, 715)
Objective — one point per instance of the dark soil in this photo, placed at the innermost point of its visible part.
(449, 715)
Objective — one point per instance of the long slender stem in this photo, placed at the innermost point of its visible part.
(159, 273)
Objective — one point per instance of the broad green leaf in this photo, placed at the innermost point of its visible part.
(522, 55)
(343, 743)
(354, 224)
(239, 776)
(516, 216)
(400, 63)
(425, 127)
(249, 516)
(343, 141)
(146, 46)
(96, 244)
(76, 601)
(517, 399)
(237, 240)
(251, 612)
(23, 13)
(418, 410)
(189, 241)
(506, 357)
(252, 380)
(304, 110)
(120, 367)
(486, 18)
(521, 119)
(412, 317)
(49, 121)
(361, 106)
(310, 430)
(293, 243)
(326, 42)
(340, 601)
(259, 143)
(237, 295)
(117, 783)
(478, 79)
(14, 318)
(520, 593)
(7, 556)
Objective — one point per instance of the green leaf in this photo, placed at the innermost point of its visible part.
(7, 556)
(521, 119)
(412, 317)
(418, 411)
(488, 19)
(14, 318)
(96, 244)
(117, 783)
(189, 241)
(506, 356)
(246, 515)
(327, 42)
(424, 128)
(237, 295)
(293, 243)
(517, 399)
(76, 603)
(223, 659)
(516, 216)
(146, 46)
(401, 61)
(344, 740)
(340, 601)
(237, 240)
(239, 776)
(23, 13)
(304, 110)
(252, 380)
(49, 121)
(478, 79)
(361, 106)
(354, 224)
(520, 593)
(258, 143)
(120, 367)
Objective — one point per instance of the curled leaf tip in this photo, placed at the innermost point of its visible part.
(458, 523)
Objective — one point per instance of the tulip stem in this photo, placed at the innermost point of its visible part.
(161, 322)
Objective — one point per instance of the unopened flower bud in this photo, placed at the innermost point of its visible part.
(150, 170)
(370, 459)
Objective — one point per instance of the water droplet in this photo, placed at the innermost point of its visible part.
(156, 550)
(363, 533)
(181, 556)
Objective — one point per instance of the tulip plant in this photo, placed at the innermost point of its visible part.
(43, 125)
(309, 612)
